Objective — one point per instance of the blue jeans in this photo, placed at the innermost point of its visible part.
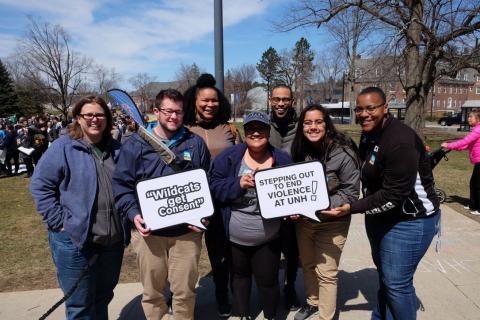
(397, 249)
(95, 291)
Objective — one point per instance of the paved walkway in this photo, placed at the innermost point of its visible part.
(448, 283)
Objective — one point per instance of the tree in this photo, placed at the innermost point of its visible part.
(287, 69)
(104, 79)
(143, 85)
(31, 100)
(303, 61)
(187, 76)
(8, 96)
(349, 29)
(268, 68)
(239, 81)
(433, 38)
(328, 69)
(51, 65)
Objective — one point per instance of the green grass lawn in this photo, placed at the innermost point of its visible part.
(26, 262)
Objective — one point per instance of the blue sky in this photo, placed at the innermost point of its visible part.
(156, 36)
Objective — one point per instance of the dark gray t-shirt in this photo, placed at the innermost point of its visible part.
(247, 227)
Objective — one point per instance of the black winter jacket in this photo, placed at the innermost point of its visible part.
(396, 176)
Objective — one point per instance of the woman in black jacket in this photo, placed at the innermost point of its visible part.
(401, 208)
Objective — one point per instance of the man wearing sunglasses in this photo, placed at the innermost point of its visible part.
(170, 254)
(283, 126)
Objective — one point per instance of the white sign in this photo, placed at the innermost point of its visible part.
(295, 189)
(175, 199)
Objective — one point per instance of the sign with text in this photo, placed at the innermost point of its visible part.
(175, 199)
(295, 189)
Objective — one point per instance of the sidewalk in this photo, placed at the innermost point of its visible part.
(448, 284)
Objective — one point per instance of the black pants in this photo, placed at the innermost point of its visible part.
(475, 188)
(262, 262)
(217, 248)
(12, 154)
(290, 252)
(29, 164)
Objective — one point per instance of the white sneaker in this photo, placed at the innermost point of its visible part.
(476, 213)
(466, 207)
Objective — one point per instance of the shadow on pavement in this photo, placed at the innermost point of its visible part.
(351, 284)
(133, 310)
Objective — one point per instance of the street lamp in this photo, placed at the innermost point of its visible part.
(343, 94)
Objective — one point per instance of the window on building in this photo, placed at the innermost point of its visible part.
(454, 103)
(444, 89)
(438, 103)
(433, 103)
(478, 78)
(465, 77)
(451, 90)
(477, 90)
(471, 88)
(456, 90)
(449, 103)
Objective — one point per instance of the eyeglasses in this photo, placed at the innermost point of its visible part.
(278, 99)
(368, 109)
(310, 123)
(170, 112)
(90, 116)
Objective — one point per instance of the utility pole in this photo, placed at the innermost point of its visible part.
(343, 94)
(218, 33)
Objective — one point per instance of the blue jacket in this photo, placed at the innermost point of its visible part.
(225, 181)
(138, 160)
(64, 187)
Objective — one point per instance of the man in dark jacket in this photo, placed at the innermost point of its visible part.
(283, 127)
(10, 144)
(169, 254)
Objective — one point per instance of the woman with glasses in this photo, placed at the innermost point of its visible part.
(401, 208)
(320, 244)
(72, 189)
(253, 241)
(207, 113)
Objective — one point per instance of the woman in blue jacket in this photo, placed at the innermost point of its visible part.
(72, 190)
(254, 241)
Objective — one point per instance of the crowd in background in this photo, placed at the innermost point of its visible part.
(27, 139)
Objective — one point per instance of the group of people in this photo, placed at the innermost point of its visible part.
(27, 139)
(84, 187)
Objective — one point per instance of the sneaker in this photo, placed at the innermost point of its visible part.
(291, 300)
(305, 312)
(466, 208)
(224, 310)
(476, 213)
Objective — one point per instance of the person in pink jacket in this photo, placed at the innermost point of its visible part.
(471, 142)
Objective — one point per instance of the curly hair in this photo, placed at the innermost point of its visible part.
(302, 147)
(205, 81)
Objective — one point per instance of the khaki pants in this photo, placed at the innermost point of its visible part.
(172, 259)
(320, 246)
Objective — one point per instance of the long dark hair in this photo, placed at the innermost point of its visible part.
(205, 81)
(302, 147)
(75, 131)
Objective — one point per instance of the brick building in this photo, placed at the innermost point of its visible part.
(448, 94)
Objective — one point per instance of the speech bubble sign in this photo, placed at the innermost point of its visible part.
(294, 189)
(175, 199)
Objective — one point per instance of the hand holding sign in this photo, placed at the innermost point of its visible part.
(181, 198)
(290, 190)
